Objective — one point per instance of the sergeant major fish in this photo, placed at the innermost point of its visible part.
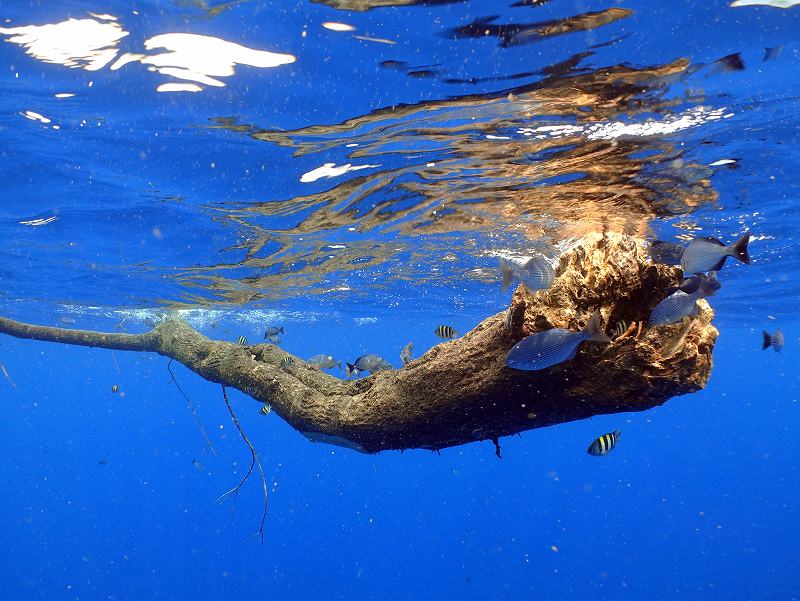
(551, 347)
(683, 301)
(446, 332)
(536, 273)
(602, 445)
(775, 341)
(709, 254)
(241, 341)
(324, 362)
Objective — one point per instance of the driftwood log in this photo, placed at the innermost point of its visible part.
(461, 391)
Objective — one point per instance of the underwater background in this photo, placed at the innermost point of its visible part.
(352, 170)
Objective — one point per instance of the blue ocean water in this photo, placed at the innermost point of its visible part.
(352, 170)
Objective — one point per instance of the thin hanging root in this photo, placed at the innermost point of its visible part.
(196, 417)
(255, 461)
(3, 367)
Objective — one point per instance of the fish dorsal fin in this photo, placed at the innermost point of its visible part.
(593, 329)
(690, 285)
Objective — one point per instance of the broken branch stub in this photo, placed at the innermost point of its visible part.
(461, 391)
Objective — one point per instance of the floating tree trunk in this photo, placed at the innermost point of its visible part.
(461, 391)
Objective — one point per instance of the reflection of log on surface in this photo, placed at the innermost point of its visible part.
(461, 391)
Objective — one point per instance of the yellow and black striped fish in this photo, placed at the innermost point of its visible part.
(619, 329)
(604, 444)
(445, 332)
(266, 409)
(287, 361)
(241, 340)
(115, 389)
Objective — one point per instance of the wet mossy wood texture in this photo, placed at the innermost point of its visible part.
(461, 391)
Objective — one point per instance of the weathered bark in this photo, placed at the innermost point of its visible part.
(461, 391)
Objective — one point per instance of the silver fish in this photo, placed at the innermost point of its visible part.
(371, 363)
(602, 445)
(775, 341)
(551, 347)
(709, 254)
(405, 354)
(324, 362)
(683, 301)
(536, 273)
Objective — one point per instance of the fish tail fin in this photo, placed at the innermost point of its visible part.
(767, 341)
(339, 365)
(280, 330)
(739, 248)
(594, 330)
(617, 434)
(508, 275)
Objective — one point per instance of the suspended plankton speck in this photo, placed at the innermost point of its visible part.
(63, 95)
(334, 26)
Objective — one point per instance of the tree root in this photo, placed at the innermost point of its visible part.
(461, 391)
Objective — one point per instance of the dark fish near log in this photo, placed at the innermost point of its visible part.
(536, 273)
(709, 254)
(603, 444)
(775, 341)
(551, 347)
(405, 354)
(666, 253)
(272, 334)
(771, 54)
(683, 301)
(324, 362)
(619, 328)
(446, 332)
(371, 363)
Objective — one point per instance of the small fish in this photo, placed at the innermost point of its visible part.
(102, 462)
(536, 273)
(508, 321)
(666, 253)
(603, 444)
(324, 362)
(287, 361)
(445, 332)
(67, 320)
(197, 465)
(619, 328)
(771, 54)
(683, 301)
(551, 347)
(115, 389)
(266, 409)
(371, 363)
(775, 341)
(271, 334)
(241, 340)
(709, 254)
(405, 354)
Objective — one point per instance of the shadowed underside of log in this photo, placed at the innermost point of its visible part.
(461, 391)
